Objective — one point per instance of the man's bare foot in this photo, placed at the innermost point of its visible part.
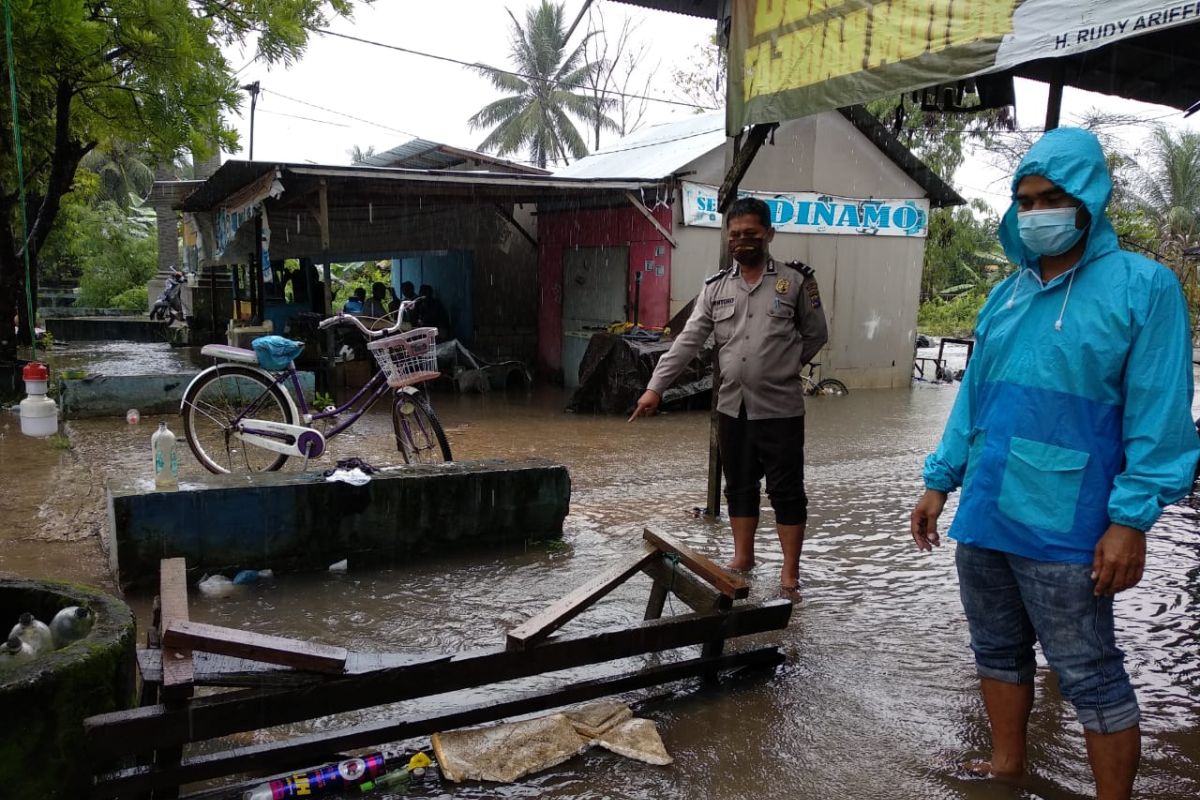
(739, 567)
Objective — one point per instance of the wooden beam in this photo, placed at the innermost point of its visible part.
(138, 730)
(695, 594)
(212, 669)
(741, 162)
(637, 203)
(178, 674)
(511, 220)
(256, 646)
(301, 751)
(568, 607)
(731, 586)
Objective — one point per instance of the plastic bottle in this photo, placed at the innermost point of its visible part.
(391, 780)
(14, 651)
(166, 459)
(132, 416)
(71, 624)
(319, 780)
(33, 632)
(39, 414)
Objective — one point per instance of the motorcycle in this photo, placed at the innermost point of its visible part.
(169, 305)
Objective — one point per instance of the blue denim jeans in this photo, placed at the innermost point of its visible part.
(1012, 602)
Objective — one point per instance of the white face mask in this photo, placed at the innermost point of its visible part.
(1050, 231)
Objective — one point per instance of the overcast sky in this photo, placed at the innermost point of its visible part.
(345, 93)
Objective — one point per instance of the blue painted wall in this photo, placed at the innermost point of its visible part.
(449, 272)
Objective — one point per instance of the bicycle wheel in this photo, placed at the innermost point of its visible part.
(832, 386)
(212, 404)
(419, 436)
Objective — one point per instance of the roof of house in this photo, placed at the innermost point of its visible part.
(662, 150)
(425, 154)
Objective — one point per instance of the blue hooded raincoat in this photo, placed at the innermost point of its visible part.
(1075, 410)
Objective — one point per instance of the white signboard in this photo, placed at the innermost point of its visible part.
(809, 212)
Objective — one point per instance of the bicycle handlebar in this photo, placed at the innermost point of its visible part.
(342, 318)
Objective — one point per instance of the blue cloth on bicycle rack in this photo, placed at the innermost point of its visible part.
(276, 352)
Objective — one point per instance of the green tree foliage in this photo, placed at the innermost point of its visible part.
(149, 73)
(119, 255)
(122, 169)
(1166, 190)
(535, 117)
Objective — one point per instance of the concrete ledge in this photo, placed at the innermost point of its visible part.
(300, 521)
(107, 329)
(113, 395)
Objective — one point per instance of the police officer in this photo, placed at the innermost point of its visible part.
(768, 323)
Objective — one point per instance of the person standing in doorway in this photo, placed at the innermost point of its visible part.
(1071, 431)
(768, 323)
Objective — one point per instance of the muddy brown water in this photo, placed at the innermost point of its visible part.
(878, 697)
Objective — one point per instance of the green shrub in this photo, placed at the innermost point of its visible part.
(135, 298)
(955, 317)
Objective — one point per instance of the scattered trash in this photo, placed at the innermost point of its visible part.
(637, 739)
(340, 566)
(508, 751)
(216, 586)
(247, 577)
(33, 632)
(354, 477)
(319, 780)
(14, 651)
(132, 416)
(593, 719)
(71, 624)
(166, 458)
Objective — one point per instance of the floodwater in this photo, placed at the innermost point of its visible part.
(878, 697)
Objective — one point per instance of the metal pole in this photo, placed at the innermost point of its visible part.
(253, 89)
(1054, 101)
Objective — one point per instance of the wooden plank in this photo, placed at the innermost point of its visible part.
(568, 607)
(696, 595)
(731, 586)
(637, 203)
(741, 162)
(213, 669)
(173, 607)
(137, 730)
(658, 599)
(255, 646)
(314, 748)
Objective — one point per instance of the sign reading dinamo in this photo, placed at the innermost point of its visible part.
(792, 58)
(810, 212)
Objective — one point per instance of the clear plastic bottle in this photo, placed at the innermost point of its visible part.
(71, 624)
(33, 632)
(14, 651)
(166, 458)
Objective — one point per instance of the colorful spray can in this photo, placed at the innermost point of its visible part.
(329, 778)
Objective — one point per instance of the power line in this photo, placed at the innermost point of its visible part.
(308, 119)
(477, 65)
(341, 113)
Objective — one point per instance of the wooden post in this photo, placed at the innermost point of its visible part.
(327, 368)
(1054, 101)
(177, 684)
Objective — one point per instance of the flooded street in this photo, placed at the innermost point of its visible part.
(878, 698)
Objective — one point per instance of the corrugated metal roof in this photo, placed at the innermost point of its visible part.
(655, 152)
(426, 154)
(708, 9)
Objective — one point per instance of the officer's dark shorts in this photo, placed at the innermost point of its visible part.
(751, 449)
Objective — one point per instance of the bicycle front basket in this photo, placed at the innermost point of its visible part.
(407, 358)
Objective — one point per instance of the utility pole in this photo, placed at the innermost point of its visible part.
(253, 89)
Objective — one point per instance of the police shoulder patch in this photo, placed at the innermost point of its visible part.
(715, 277)
(802, 268)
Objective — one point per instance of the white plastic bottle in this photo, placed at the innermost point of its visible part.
(33, 632)
(13, 652)
(166, 459)
(70, 624)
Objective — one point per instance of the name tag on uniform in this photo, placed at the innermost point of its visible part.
(723, 301)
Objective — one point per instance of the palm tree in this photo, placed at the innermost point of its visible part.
(547, 84)
(123, 170)
(358, 154)
(1167, 190)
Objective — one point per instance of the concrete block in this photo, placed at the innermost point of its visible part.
(300, 521)
(113, 395)
(107, 329)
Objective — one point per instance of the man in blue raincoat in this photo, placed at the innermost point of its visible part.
(1071, 432)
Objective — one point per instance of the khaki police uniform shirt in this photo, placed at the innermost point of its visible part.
(765, 335)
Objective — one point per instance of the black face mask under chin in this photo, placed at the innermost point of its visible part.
(747, 251)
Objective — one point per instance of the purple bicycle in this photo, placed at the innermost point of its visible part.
(239, 417)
